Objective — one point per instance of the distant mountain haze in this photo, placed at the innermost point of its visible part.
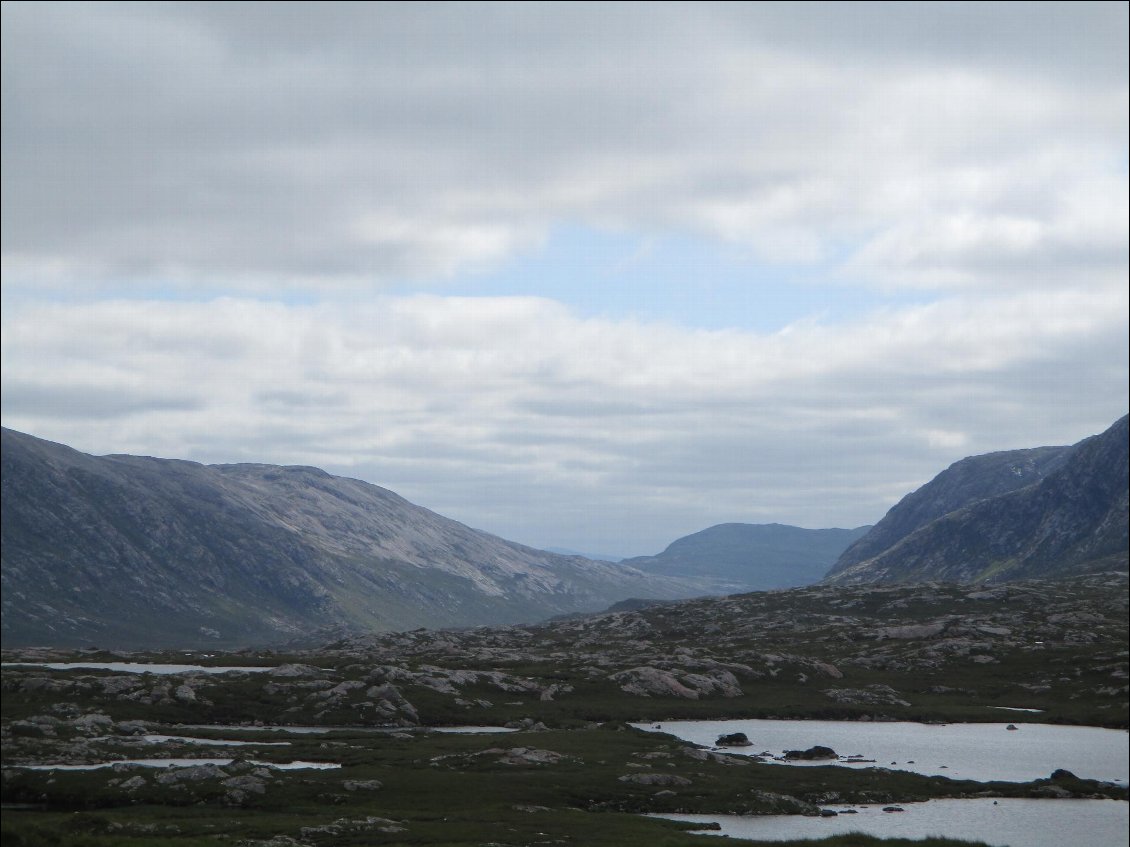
(129, 551)
(752, 557)
(1050, 512)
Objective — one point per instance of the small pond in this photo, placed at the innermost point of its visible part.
(182, 763)
(1001, 823)
(212, 742)
(134, 667)
(318, 730)
(980, 751)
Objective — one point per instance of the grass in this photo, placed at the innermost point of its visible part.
(455, 790)
(1064, 652)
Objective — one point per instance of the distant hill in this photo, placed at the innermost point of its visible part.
(751, 557)
(130, 551)
(1051, 512)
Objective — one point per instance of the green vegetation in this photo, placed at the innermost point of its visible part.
(438, 789)
(575, 773)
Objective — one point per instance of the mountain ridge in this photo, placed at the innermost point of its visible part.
(738, 557)
(1070, 518)
(121, 549)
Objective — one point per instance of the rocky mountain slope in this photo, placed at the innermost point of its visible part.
(128, 551)
(752, 557)
(1050, 512)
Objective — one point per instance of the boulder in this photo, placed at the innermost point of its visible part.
(815, 753)
(733, 739)
(648, 681)
(529, 756)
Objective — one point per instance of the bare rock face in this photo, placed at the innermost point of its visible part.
(649, 681)
(529, 756)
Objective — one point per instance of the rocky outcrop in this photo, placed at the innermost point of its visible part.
(650, 681)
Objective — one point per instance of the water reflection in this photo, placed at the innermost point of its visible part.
(135, 667)
(960, 751)
(181, 763)
(1002, 823)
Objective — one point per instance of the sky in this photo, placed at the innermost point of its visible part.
(586, 276)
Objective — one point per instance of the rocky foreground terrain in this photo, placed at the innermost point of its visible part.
(572, 769)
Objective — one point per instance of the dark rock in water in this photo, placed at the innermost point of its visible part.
(1011, 726)
(812, 753)
(849, 811)
(893, 809)
(733, 739)
(828, 813)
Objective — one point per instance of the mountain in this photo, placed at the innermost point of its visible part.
(1051, 512)
(751, 557)
(968, 481)
(596, 557)
(131, 551)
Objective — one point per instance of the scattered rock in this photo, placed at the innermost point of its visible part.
(734, 739)
(192, 773)
(530, 756)
(815, 753)
(528, 724)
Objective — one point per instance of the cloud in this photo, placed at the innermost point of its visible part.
(516, 415)
(214, 215)
(332, 147)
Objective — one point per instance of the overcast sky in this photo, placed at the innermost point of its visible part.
(585, 276)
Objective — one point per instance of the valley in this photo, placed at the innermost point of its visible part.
(312, 660)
